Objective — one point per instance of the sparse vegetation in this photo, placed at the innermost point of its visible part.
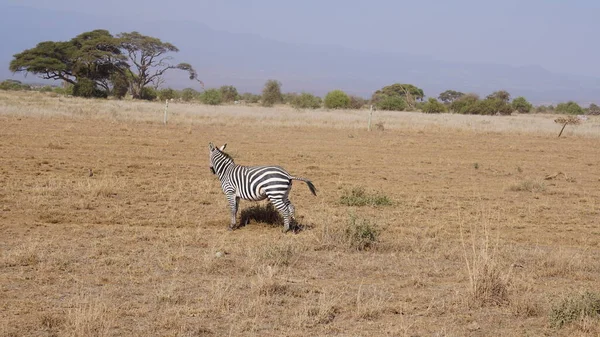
(105, 205)
(357, 196)
(529, 185)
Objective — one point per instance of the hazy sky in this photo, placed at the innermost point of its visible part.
(558, 35)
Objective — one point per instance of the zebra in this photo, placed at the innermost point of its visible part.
(254, 183)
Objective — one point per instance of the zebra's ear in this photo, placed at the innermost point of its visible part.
(223, 147)
(211, 146)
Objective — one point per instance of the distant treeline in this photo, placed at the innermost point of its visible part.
(395, 97)
(96, 64)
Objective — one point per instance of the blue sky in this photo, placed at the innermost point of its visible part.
(557, 35)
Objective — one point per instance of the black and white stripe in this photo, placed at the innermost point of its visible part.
(254, 183)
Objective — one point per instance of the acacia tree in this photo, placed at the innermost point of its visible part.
(450, 96)
(91, 58)
(150, 61)
(502, 95)
(408, 92)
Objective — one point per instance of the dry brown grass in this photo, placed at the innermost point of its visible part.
(141, 247)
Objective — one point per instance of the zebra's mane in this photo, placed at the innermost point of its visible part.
(225, 154)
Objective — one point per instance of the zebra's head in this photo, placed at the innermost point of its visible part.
(213, 152)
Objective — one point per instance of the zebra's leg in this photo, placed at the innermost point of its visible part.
(233, 205)
(291, 210)
(283, 209)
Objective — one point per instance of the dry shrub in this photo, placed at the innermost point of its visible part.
(529, 186)
(26, 254)
(357, 234)
(371, 302)
(525, 305)
(323, 309)
(277, 255)
(488, 285)
(89, 318)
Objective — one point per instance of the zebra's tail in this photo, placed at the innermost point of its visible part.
(308, 182)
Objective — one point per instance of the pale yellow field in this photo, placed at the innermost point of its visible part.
(493, 221)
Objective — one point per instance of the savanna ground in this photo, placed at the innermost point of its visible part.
(493, 222)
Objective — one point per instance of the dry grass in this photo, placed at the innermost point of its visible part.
(141, 247)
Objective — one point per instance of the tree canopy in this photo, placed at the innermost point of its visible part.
(407, 92)
(97, 62)
(150, 61)
(93, 56)
(450, 96)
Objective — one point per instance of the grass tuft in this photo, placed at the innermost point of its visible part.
(357, 196)
(361, 234)
(529, 186)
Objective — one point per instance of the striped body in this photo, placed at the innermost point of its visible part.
(254, 183)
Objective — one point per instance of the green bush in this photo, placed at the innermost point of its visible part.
(120, 85)
(521, 105)
(487, 107)
(433, 106)
(64, 90)
(87, 88)
(149, 94)
(502, 95)
(288, 97)
(391, 103)
(46, 88)
(212, 97)
(570, 108)
(337, 99)
(189, 94)
(576, 307)
(459, 104)
(250, 98)
(359, 197)
(271, 93)
(14, 85)
(229, 93)
(306, 101)
(167, 94)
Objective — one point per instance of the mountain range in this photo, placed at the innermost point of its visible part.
(246, 61)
